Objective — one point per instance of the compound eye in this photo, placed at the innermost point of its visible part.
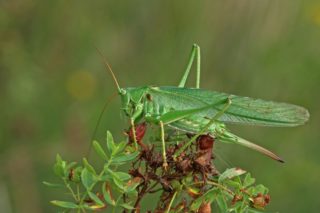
(149, 97)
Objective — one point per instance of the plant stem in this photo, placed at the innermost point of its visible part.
(221, 187)
(214, 184)
(171, 201)
(70, 189)
(78, 191)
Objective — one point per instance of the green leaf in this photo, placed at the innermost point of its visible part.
(58, 170)
(96, 199)
(260, 189)
(53, 185)
(222, 203)
(87, 178)
(248, 180)
(88, 166)
(119, 183)
(122, 176)
(132, 188)
(196, 204)
(64, 204)
(127, 206)
(231, 173)
(99, 150)
(58, 158)
(120, 148)
(124, 158)
(232, 183)
(116, 180)
(107, 195)
(110, 143)
(59, 167)
(106, 177)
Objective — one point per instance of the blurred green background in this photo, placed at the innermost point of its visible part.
(53, 84)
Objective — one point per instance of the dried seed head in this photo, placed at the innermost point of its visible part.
(260, 201)
(184, 166)
(236, 198)
(205, 142)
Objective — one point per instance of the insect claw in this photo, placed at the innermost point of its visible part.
(165, 166)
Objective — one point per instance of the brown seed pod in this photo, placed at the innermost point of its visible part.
(184, 166)
(236, 198)
(260, 201)
(205, 142)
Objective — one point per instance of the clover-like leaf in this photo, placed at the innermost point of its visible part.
(87, 178)
(127, 206)
(99, 150)
(122, 176)
(248, 180)
(96, 199)
(110, 143)
(59, 167)
(120, 148)
(107, 195)
(88, 166)
(124, 158)
(222, 203)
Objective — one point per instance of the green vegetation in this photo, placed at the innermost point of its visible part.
(190, 184)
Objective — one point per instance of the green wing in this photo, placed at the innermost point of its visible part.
(243, 110)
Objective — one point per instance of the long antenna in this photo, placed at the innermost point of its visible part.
(108, 67)
(99, 121)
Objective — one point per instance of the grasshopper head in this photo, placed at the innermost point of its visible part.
(132, 101)
(131, 98)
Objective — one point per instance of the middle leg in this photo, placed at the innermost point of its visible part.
(164, 154)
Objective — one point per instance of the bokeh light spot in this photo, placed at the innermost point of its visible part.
(315, 15)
